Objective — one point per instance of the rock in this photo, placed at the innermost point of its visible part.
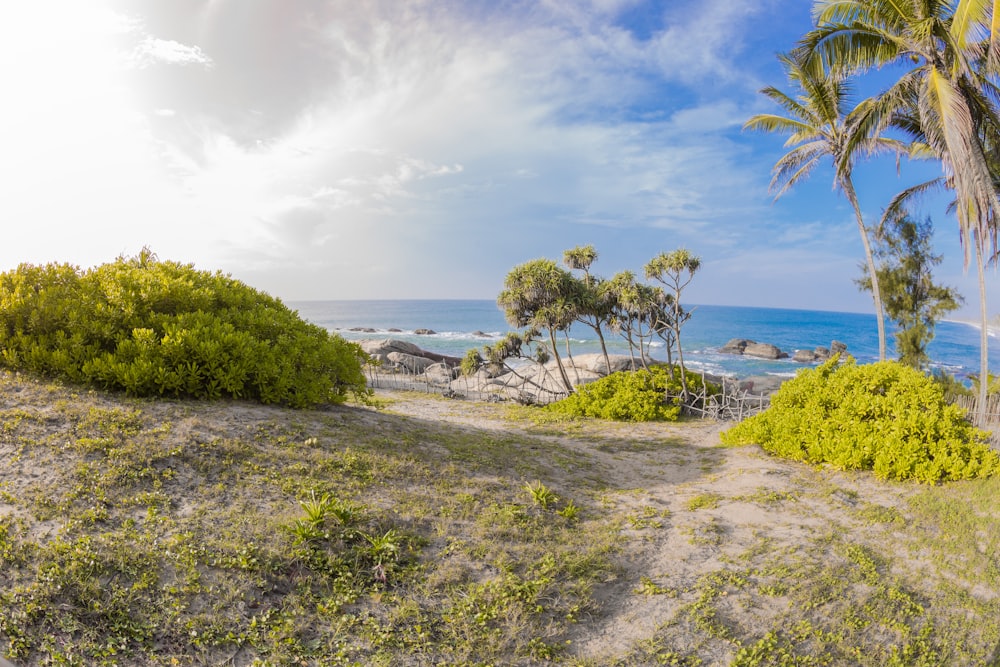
(836, 347)
(821, 353)
(410, 362)
(386, 345)
(362, 329)
(736, 346)
(481, 334)
(380, 348)
(424, 332)
(594, 362)
(764, 351)
(804, 356)
(440, 373)
(395, 330)
(762, 384)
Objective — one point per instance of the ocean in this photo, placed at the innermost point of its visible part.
(460, 325)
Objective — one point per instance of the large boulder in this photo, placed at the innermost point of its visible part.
(736, 346)
(384, 346)
(379, 349)
(410, 362)
(804, 356)
(763, 351)
(439, 373)
(594, 362)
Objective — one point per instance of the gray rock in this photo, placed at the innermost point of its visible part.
(836, 347)
(386, 345)
(736, 346)
(410, 362)
(424, 332)
(594, 362)
(439, 373)
(764, 351)
(804, 356)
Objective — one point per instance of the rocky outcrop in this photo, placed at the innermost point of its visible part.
(379, 349)
(752, 348)
(763, 351)
(411, 362)
(736, 346)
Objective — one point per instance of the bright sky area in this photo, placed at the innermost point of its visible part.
(335, 149)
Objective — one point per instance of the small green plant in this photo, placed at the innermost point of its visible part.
(649, 587)
(540, 494)
(884, 417)
(704, 501)
(569, 511)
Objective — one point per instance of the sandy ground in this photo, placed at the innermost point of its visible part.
(655, 470)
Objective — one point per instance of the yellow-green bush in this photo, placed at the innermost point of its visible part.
(159, 328)
(629, 396)
(884, 417)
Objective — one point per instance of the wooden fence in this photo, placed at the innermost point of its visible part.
(733, 404)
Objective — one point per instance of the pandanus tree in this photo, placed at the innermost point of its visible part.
(946, 53)
(634, 312)
(593, 307)
(539, 294)
(675, 270)
(822, 125)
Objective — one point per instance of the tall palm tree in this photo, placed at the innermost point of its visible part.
(820, 126)
(946, 50)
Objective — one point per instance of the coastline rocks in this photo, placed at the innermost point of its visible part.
(424, 332)
(752, 348)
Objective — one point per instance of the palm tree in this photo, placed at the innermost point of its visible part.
(946, 50)
(820, 127)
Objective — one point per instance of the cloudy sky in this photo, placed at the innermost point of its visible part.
(339, 149)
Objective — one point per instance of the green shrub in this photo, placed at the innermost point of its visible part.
(159, 328)
(884, 417)
(629, 396)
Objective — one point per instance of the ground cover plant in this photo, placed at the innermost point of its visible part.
(437, 531)
(160, 328)
(885, 417)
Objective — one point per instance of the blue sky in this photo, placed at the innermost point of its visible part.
(419, 149)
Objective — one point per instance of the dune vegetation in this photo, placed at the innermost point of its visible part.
(424, 530)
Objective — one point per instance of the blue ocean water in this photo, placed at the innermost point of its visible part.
(463, 324)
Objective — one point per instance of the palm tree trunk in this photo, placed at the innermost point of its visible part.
(984, 366)
(848, 186)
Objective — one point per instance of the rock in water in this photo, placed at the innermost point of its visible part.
(764, 351)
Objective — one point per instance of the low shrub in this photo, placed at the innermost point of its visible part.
(160, 328)
(636, 396)
(884, 417)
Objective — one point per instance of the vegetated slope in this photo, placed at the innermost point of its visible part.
(142, 532)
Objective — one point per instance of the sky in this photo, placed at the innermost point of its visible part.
(397, 149)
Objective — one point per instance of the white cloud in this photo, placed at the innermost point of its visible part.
(154, 50)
